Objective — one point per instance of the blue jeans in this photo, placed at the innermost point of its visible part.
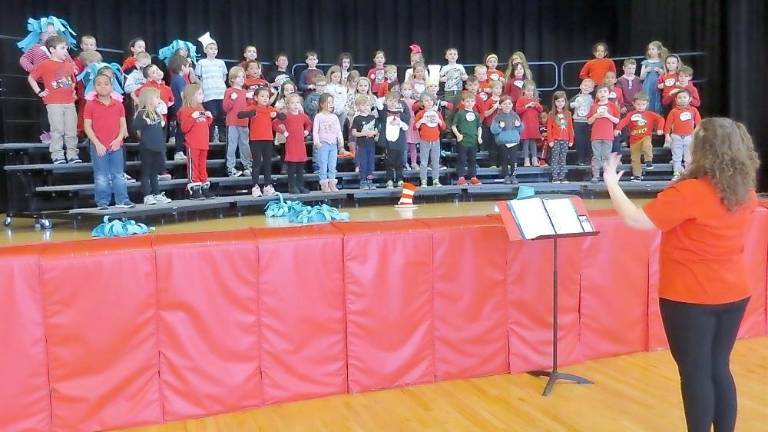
(327, 154)
(237, 139)
(108, 177)
(366, 159)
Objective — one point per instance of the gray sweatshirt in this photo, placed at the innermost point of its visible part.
(580, 104)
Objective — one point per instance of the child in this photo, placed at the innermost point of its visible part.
(642, 124)
(312, 98)
(35, 50)
(506, 127)
(518, 58)
(650, 70)
(580, 104)
(559, 135)
(58, 78)
(253, 77)
(106, 128)
(390, 81)
(296, 127)
(212, 73)
(362, 88)
(235, 101)
(307, 77)
(681, 122)
(329, 141)
(135, 46)
(136, 78)
(603, 115)
(195, 122)
(466, 127)
(261, 140)
(151, 127)
(629, 84)
(481, 73)
(286, 89)
(183, 49)
(529, 107)
(376, 74)
(87, 45)
(345, 64)
(281, 74)
(667, 82)
(416, 57)
(489, 109)
(418, 80)
(429, 123)
(683, 83)
(596, 68)
(154, 79)
(615, 96)
(411, 135)
(541, 144)
(365, 133)
(250, 53)
(178, 68)
(453, 76)
(515, 81)
(339, 92)
(393, 121)
(492, 62)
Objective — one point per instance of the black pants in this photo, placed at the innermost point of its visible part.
(467, 158)
(489, 142)
(508, 156)
(295, 171)
(216, 107)
(701, 338)
(582, 143)
(152, 165)
(394, 163)
(262, 161)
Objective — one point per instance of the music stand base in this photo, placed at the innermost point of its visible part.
(555, 376)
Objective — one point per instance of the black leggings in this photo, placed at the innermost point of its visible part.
(262, 161)
(152, 165)
(701, 338)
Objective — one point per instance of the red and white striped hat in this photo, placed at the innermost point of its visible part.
(406, 197)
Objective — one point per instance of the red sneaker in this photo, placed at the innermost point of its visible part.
(474, 181)
(462, 181)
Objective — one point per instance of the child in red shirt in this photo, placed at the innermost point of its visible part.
(58, 77)
(154, 76)
(488, 110)
(296, 127)
(261, 139)
(514, 85)
(529, 107)
(105, 126)
(135, 46)
(602, 116)
(481, 72)
(616, 96)
(235, 100)
(195, 123)
(681, 122)
(642, 123)
(376, 74)
(559, 135)
(429, 122)
(668, 80)
(598, 66)
(683, 83)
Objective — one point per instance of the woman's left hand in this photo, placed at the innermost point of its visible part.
(609, 169)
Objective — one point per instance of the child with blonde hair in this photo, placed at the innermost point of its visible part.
(651, 70)
(148, 122)
(235, 100)
(528, 107)
(195, 123)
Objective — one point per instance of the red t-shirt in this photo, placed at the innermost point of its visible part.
(616, 95)
(596, 69)
(296, 125)
(105, 119)
(260, 125)
(513, 88)
(701, 259)
(195, 129)
(128, 64)
(602, 128)
(529, 117)
(487, 105)
(671, 95)
(682, 121)
(232, 107)
(166, 95)
(560, 127)
(376, 75)
(641, 124)
(430, 129)
(669, 81)
(58, 77)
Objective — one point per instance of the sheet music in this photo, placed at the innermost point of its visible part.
(563, 215)
(531, 216)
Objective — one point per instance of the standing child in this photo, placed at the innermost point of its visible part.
(683, 83)
(559, 135)
(515, 80)
(149, 123)
(411, 135)
(195, 122)
(365, 133)
(235, 101)
(212, 73)
(492, 62)
(312, 99)
(154, 79)
(581, 104)
(280, 75)
(629, 84)
(466, 127)
(307, 76)
(481, 73)
(136, 78)
(261, 140)
(296, 127)
(250, 53)
(416, 57)
(602, 116)
(681, 122)
(390, 81)
(642, 124)
(667, 82)
(489, 110)
(418, 80)
(362, 88)
(529, 107)
(393, 121)
(452, 75)
(329, 141)
(650, 70)
(542, 142)
(429, 123)
(58, 93)
(506, 127)
(135, 46)
(376, 74)
(345, 64)
(339, 92)
(178, 68)
(617, 97)
(596, 68)
(106, 128)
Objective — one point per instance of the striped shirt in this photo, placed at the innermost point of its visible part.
(212, 74)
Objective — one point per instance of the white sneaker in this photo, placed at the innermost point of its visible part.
(162, 199)
(180, 157)
(150, 200)
(390, 185)
(164, 177)
(256, 192)
(269, 190)
(247, 172)
(233, 172)
(128, 179)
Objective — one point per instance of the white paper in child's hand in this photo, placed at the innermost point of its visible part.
(501, 124)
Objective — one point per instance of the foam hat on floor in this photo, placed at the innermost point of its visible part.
(119, 228)
(406, 197)
(298, 212)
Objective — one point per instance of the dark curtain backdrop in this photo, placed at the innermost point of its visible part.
(733, 33)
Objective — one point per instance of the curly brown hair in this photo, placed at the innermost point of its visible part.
(722, 150)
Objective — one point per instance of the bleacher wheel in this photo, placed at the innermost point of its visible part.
(7, 221)
(44, 223)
